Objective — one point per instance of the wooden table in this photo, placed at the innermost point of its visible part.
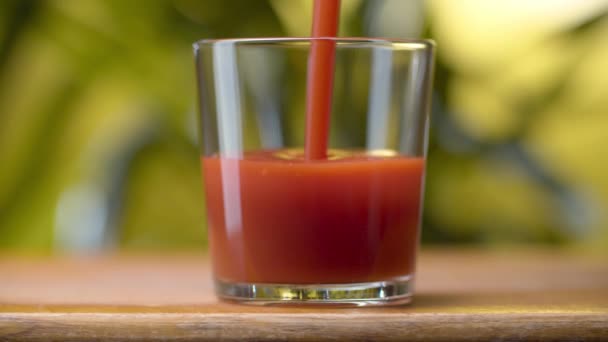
(462, 295)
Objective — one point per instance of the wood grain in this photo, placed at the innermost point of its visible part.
(462, 296)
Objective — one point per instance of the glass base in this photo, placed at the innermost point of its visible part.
(395, 291)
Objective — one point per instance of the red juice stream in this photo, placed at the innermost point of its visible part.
(349, 218)
(319, 85)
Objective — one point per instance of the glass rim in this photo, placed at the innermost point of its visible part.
(422, 43)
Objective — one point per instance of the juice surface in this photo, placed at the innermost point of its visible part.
(275, 218)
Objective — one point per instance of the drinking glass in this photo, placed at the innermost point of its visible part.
(338, 230)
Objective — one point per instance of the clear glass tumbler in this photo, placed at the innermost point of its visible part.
(339, 230)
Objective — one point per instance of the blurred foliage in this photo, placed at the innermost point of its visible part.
(97, 127)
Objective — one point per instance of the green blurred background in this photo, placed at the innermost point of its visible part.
(98, 146)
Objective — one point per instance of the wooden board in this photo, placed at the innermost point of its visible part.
(462, 295)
